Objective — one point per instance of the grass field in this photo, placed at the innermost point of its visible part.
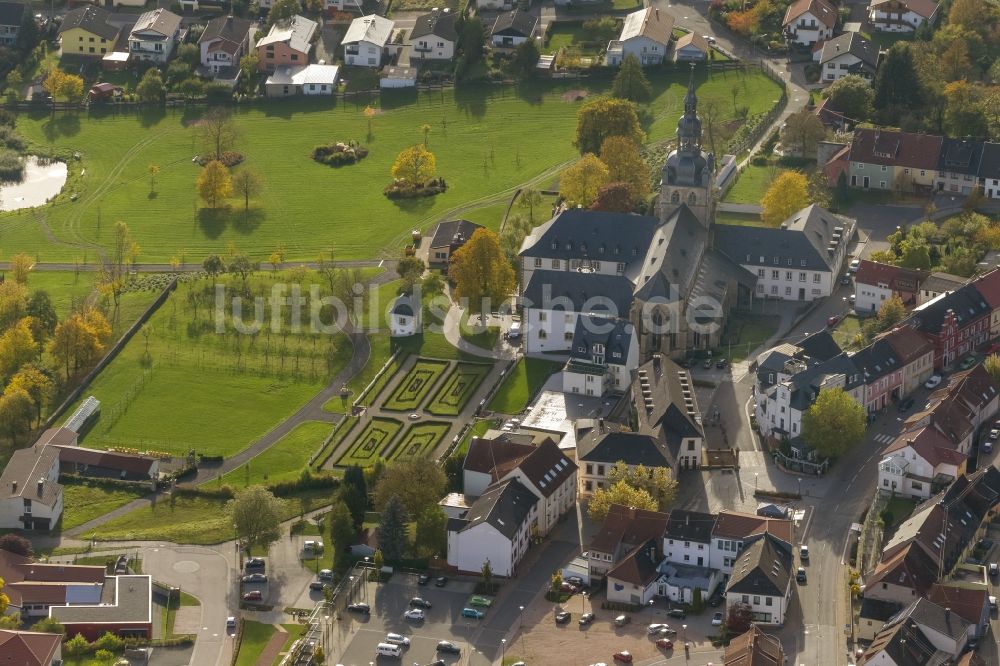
(458, 388)
(255, 638)
(486, 140)
(478, 429)
(521, 384)
(372, 443)
(420, 439)
(489, 216)
(738, 219)
(751, 184)
(415, 386)
(484, 337)
(84, 503)
(283, 461)
(846, 330)
(187, 386)
(745, 333)
(571, 36)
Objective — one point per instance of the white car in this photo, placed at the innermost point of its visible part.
(994, 433)
(655, 628)
(717, 620)
(933, 381)
(855, 265)
(414, 614)
(709, 39)
(397, 639)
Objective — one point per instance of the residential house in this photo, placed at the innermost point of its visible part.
(809, 21)
(918, 463)
(85, 31)
(874, 283)
(923, 633)
(958, 166)
(890, 160)
(666, 407)
(513, 28)
(938, 283)
(395, 76)
(624, 529)
(989, 170)
(882, 373)
(632, 580)
(915, 353)
(733, 530)
(800, 260)
(968, 400)
(12, 15)
(366, 39)
(988, 284)
(434, 36)
(685, 569)
(599, 450)
(873, 615)
(645, 34)
(956, 323)
(31, 648)
(288, 80)
(448, 237)
(762, 578)
(124, 608)
(849, 53)
(495, 5)
(603, 354)
(98, 463)
(970, 604)
(288, 42)
(30, 495)
(754, 648)
(497, 528)
(35, 587)
(155, 36)
(225, 41)
(901, 15)
(691, 47)
(906, 575)
(405, 317)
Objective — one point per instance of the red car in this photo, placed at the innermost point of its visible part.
(623, 656)
(665, 644)
(569, 588)
(832, 321)
(253, 596)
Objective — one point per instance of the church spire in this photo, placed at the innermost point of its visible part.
(691, 99)
(689, 127)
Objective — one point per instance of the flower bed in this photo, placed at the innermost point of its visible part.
(339, 153)
(402, 190)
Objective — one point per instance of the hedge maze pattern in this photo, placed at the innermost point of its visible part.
(417, 383)
(372, 443)
(458, 388)
(421, 439)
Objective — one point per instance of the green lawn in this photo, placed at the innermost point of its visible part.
(295, 631)
(571, 36)
(372, 443)
(67, 289)
(478, 429)
(486, 140)
(458, 388)
(751, 184)
(738, 219)
(484, 337)
(420, 439)
(83, 503)
(283, 461)
(900, 508)
(845, 331)
(415, 386)
(745, 332)
(255, 638)
(215, 393)
(521, 384)
(489, 216)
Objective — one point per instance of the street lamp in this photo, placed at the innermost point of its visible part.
(503, 650)
(685, 628)
(520, 619)
(583, 602)
(755, 481)
(800, 486)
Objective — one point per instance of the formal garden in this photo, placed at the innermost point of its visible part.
(416, 385)
(420, 439)
(456, 390)
(372, 442)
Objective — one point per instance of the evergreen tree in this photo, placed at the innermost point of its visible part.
(392, 531)
(630, 82)
(897, 85)
(354, 492)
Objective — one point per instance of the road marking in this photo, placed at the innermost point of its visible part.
(753, 435)
(808, 523)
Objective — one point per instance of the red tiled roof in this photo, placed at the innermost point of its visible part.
(28, 648)
(736, 525)
(968, 603)
(629, 525)
(988, 285)
(135, 464)
(486, 455)
(909, 567)
(754, 648)
(547, 467)
(924, 8)
(40, 593)
(879, 146)
(9, 571)
(931, 444)
(823, 12)
(871, 272)
(908, 343)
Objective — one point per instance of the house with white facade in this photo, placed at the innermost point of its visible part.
(691, 47)
(923, 633)
(875, 283)
(434, 36)
(959, 408)
(225, 40)
(598, 451)
(366, 39)
(624, 529)
(155, 36)
(646, 34)
(666, 406)
(497, 527)
(849, 53)
(989, 171)
(958, 165)
(801, 260)
(12, 16)
(809, 21)
(918, 463)
(31, 497)
(287, 81)
(687, 544)
(901, 15)
(733, 530)
(512, 29)
(915, 353)
(761, 578)
(603, 354)
(633, 579)
(405, 317)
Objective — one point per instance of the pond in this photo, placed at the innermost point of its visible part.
(42, 181)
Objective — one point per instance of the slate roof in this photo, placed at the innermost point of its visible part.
(855, 45)
(593, 293)
(439, 24)
(754, 648)
(804, 236)
(630, 526)
(297, 32)
(876, 609)
(403, 305)
(123, 599)
(661, 403)
(92, 19)
(229, 30)
(445, 233)
(57, 437)
(160, 21)
(12, 13)
(823, 12)
(876, 360)
(28, 648)
(631, 447)
(938, 282)
(892, 148)
(966, 302)
(505, 506)
(763, 567)
(819, 346)
(903, 643)
(960, 156)
(928, 614)
(547, 467)
(650, 23)
(516, 23)
(639, 567)
(690, 526)
(614, 334)
(989, 165)
(24, 469)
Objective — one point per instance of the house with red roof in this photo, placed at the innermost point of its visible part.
(988, 284)
(30, 648)
(955, 322)
(733, 529)
(809, 21)
(901, 15)
(883, 159)
(875, 283)
(919, 462)
(915, 353)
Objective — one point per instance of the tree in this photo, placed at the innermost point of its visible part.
(697, 605)
(214, 266)
(282, 10)
(555, 582)
(48, 625)
(613, 198)
(852, 96)
(399, 479)
(891, 312)
(4, 599)
(153, 170)
(786, 195)
(65, 86)
(392, 530)
(250, 71)
(579, 183)
(486, 574)
(410, 268)
(17, 544)
(604, 117)
(218, 131)
(277, 257)
(257, 514)
(897, 87)
(630, 82)
(834, 423)
(17, 347)
(473, 40)
(114, 265)
(36, 384)
(13, 302)
(247, 183)
(530, 199)
(28, 33)
(804, 130)
(739, 618)
(657, 481)
(16, 410)
(354, 492)
(481, 274)
(242, 266)
(953, 63)
(151, 88)
(79, 339)
(964, 114)
(414, 166)
(625, 164)
(104, 656)
(618, 493)
(817, 190)
(525, 58)
(991, 363)
(915, 253)
(21, 265)
(214, 183)
(341, 527)
(432, 532)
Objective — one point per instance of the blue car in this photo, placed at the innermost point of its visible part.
(473, 613)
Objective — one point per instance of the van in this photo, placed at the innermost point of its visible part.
(313, 546)
(388, 650)
(514, 332)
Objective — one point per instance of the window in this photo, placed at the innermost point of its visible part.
(621, 268)
(543, 315)
(692, 199)
(768, 601)
(788, 291)
(691, 447)
(542, 335)
(555, 264)
(538, 262)
(883, 168)
(590, 468)
(802, 277)
(816, 278)
(675, 197)
(760, 272)
(600, 470)
(774, 275)
(756, 600)
(774, 290)
(788, 275)
(746, 598)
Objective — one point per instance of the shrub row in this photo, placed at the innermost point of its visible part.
(229, 157)
(339, 153)
(620, 606)
(403, 190)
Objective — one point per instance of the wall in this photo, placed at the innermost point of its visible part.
(697, 554)
(368, 55)
(77, 41)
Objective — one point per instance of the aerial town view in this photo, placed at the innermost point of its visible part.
(499, 332)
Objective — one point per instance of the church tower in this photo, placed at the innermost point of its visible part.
(688, 176)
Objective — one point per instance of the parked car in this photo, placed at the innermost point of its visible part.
(800, 574)
(967, 362)
(449, 647)
(254, 564)
(360, 607)
(846, 280)
(563, 617)
(804, 553)
(679, 613)
(665, 644)
(994, 434)
(420, 603)
(568, 588)
(514, 332)
(441, 581)
(624, 656)
(414, 614)
(473, 613)
(717, 620)
(722, 363)
(397, 639)
(479, 600)
(993, 570)
(707, 364)
(254, 595)
(709, 39)
(855, 265)
(575, 580)
(622, 620)
(987, 447)
(833, 321)
(586, 619)
(325, 574)
(317, 585)
(438, 662)
(933, 381)
(230, 622)
(423, 579)
(905, 404)
(655, 628)
(313, 546)
(993, 604)
(255, 578)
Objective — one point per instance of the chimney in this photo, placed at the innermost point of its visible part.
(600, 424)
(41, 486)
(13, 486)
(687, 519)
(947, 614)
